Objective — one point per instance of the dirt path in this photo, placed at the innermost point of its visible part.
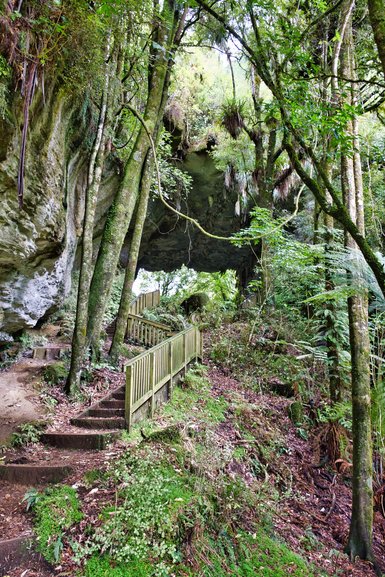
(19, 399)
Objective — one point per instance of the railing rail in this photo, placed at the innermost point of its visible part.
(150, 371)
(144, 301)
(146, 332)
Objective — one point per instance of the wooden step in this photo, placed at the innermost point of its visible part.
(112, 404)
(99, 422)
(82, 441)
(105, 413)
(30, 474)
(50, 353)
(14, 552)
(118, 395)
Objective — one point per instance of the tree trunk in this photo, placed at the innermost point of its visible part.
(377, 19)
(125, 301)
(79, 342)
(335, 382)
(361, 523)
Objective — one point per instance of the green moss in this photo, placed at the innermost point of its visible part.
(215, 409)
(167, 435)
(55, 511)
(105, 567)
(55, 373)
(194, 394)
(295, 411)
(239, 453)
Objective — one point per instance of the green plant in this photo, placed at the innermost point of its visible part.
(27, 434)
(232, 114)
(55, 510)
(340, 413)
(55, 373)
(31, 497)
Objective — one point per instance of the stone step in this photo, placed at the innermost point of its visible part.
(15, 552)
(82, 441)
(99, 422)
(112, 404)
(106, 413)
(30, 474)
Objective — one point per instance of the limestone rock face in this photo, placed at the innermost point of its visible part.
(38, 241)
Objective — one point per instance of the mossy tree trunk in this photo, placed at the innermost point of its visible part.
(361, 524)
(329, 93)
(129, 277)
(332, 337)
(377, 19)
(167, 34)
(79, 342)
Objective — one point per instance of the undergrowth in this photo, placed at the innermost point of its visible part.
(257, 354)
(177, 509)
(55, 510)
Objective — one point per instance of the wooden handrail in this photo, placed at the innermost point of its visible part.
(145, 332)
(145, 301)
(152, 323)
(150, 371)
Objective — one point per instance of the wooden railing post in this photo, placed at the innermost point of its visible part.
(170, 361)
(184, 354)
(152, 382)
(201, 345)
(128, 398)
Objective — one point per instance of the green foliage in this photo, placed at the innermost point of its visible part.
(30, 498)
(201, 84)
(114, 299)
(233, 112)
(249, 554)
(176, 183)
(340, 412)
(55, 510)
(259, 355)
(5, 69)
(27, 342)
(5, 74)
(167, 314)
(27, 434)
(144, 524)
(55, 373)
(219, 287)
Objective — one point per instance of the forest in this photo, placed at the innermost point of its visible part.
(192, 288)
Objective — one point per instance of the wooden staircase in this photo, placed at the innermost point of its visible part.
(105, 414)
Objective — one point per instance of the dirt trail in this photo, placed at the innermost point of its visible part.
(19, 400)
